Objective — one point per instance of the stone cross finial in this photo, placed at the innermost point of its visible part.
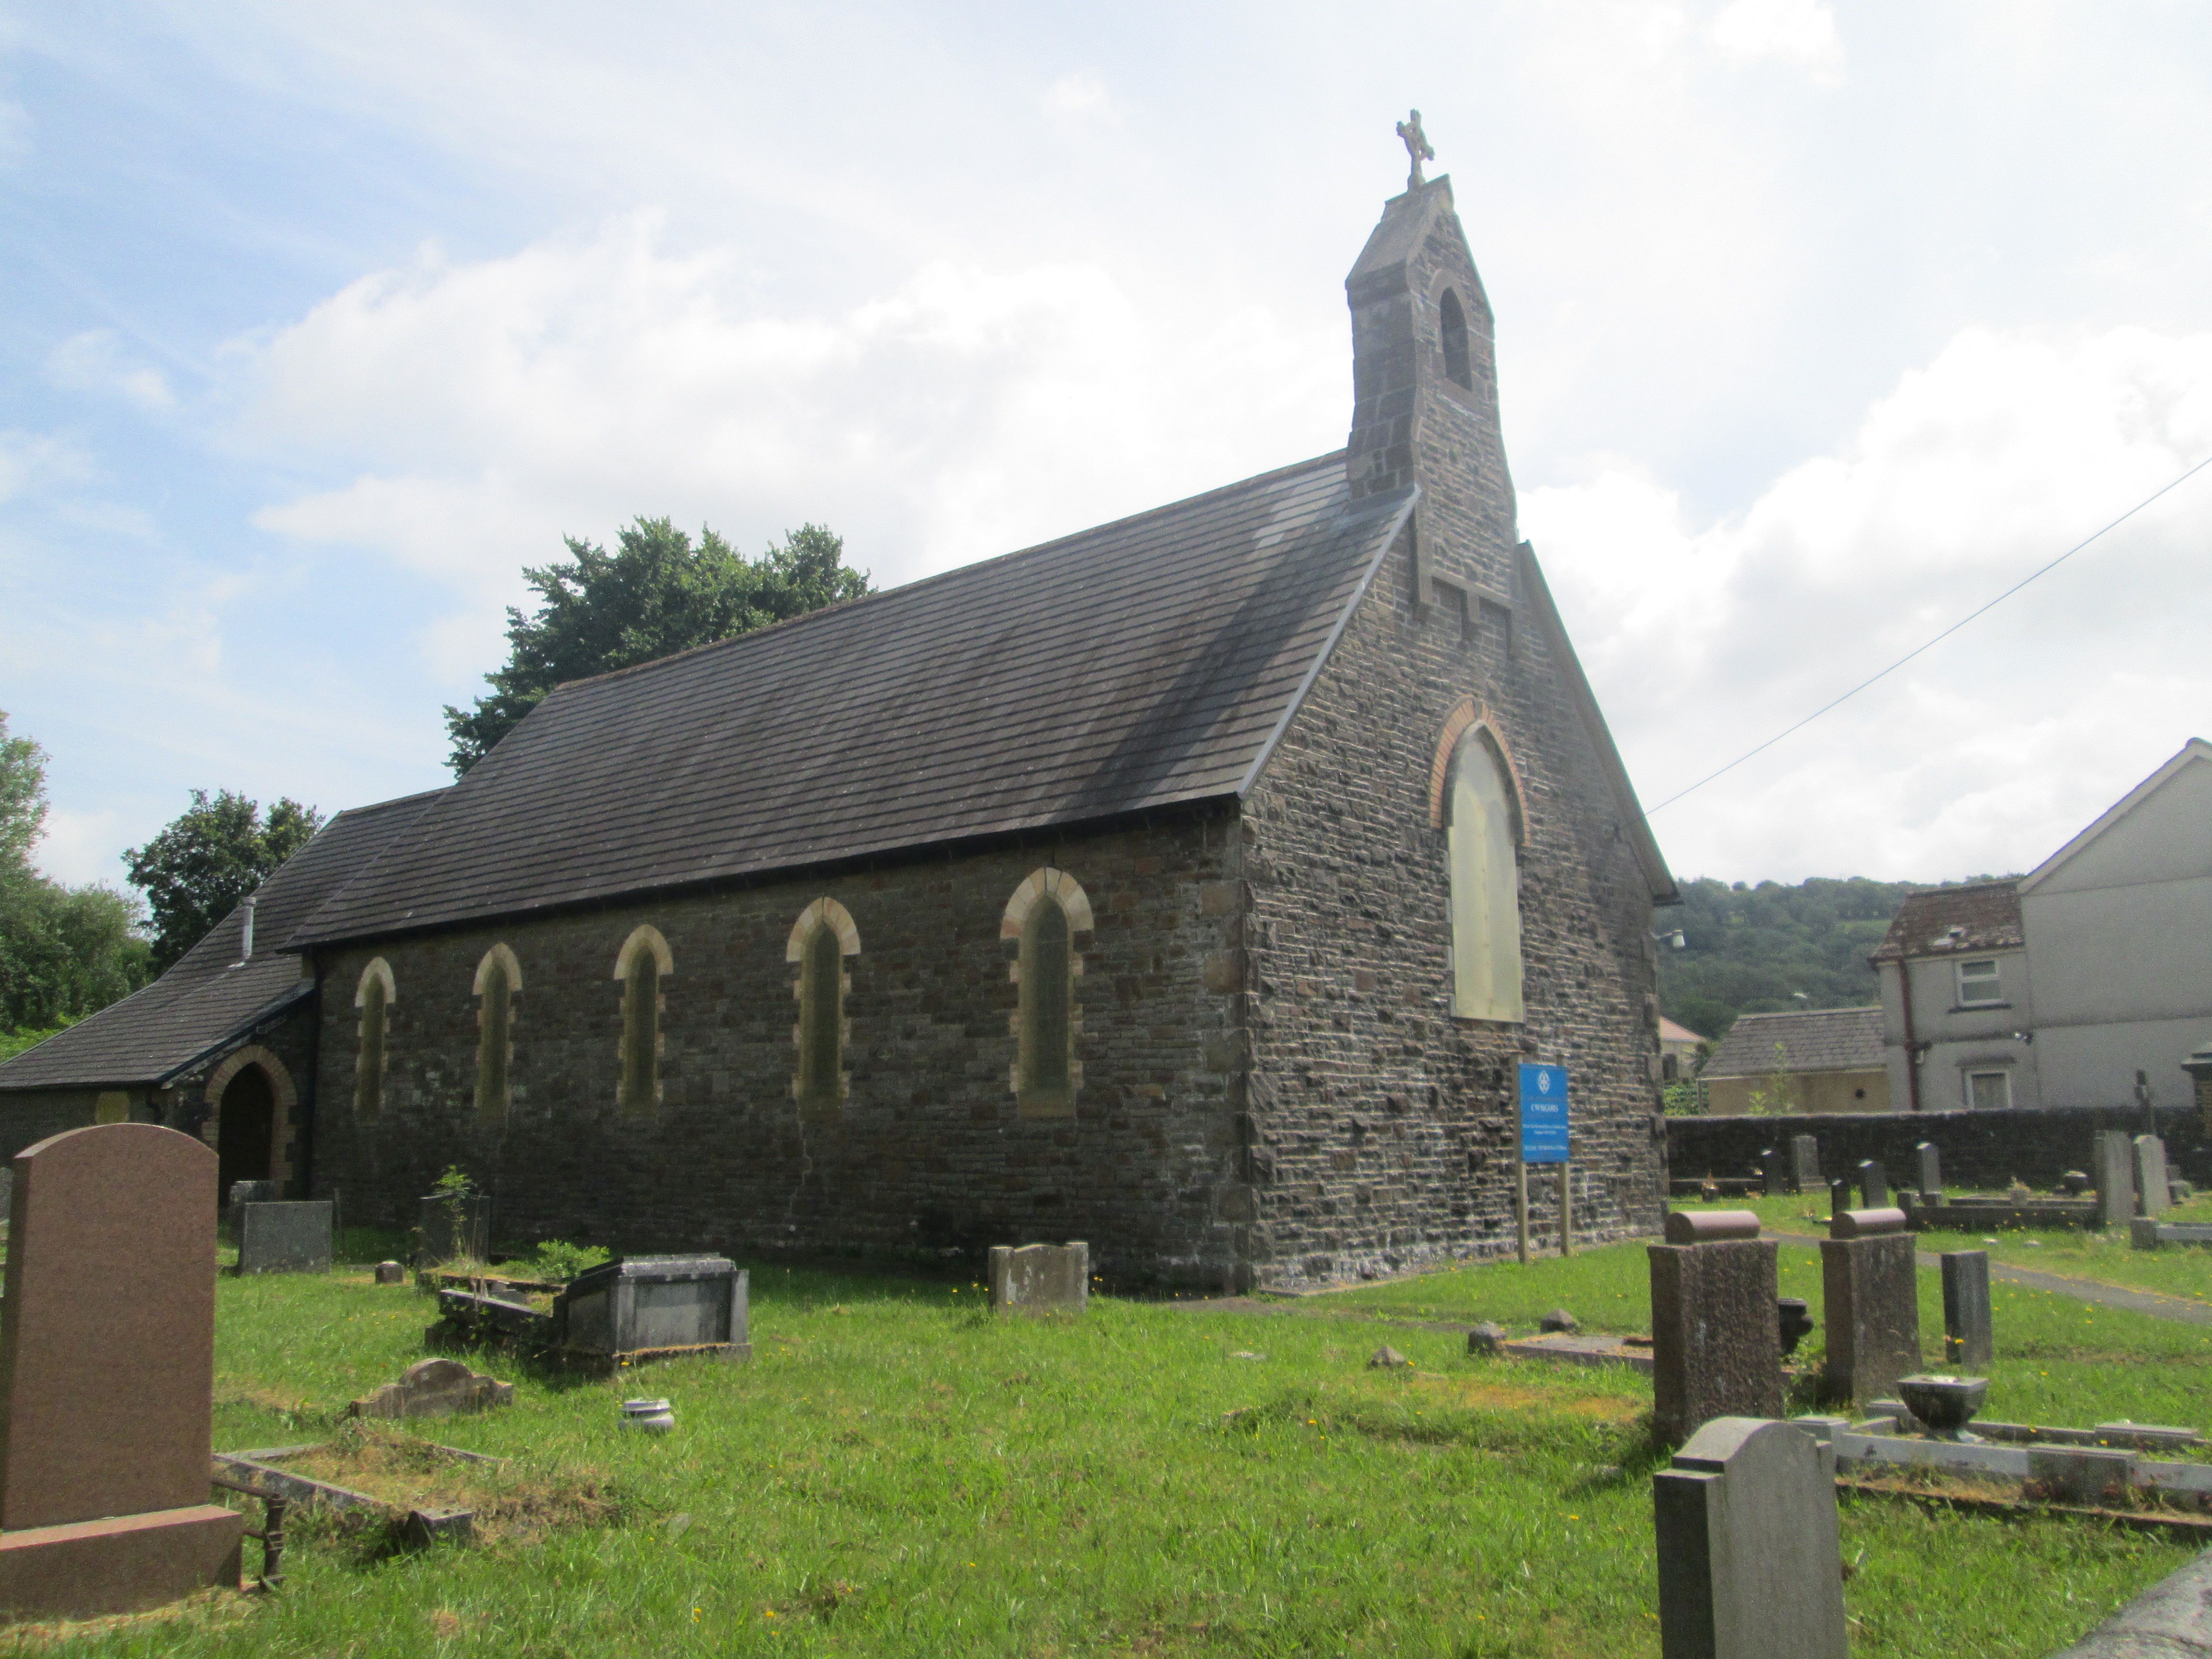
(1416, 148)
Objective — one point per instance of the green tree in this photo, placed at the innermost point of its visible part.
(199, 868)
(656, 594)
(64, 952)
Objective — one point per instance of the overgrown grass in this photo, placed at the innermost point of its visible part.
(899, 1473)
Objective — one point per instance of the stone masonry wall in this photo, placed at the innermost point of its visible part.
(930, 1160)
(1382, 1131)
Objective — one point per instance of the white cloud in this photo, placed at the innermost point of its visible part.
(1789, 30)
(79, 846)
(2002, 452)
(30, 458)
(483, 409)
(1080, 99)
(96, 362)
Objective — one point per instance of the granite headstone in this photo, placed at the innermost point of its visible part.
(284, 1238)
(1873, 1185)
(1716, 1341)
(1930, 1172)
(1872, 1303)
(1967, 1342)
(1041, 1278)
(2113, 1167)
(1804, 1165)
(2153, 1196)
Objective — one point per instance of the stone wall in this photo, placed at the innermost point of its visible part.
(29, 1116)
(930, 1160)
(1983, 1151)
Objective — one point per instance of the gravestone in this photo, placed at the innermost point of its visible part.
(1716, 1341)
(648, 1304)
(453, 1229)
(1769, 1172)
(284, 1238)
(1873, 1185)
(106, 1378)
(1930, 1172)
(1041, 1278)
(1872, 1303)
(2154, 1197)
(2113, 1165)
(6, 1191)
(1750, 1553)
(254, 1191)
(1967, 1335)
(1804, 1165)
(433, 1387)
(1839, 1195)
(391, 1273)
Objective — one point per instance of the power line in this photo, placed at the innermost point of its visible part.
(1925, 644)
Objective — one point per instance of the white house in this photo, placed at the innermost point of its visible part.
(2055, 989)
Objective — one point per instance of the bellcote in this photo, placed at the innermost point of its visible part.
(1424, 385)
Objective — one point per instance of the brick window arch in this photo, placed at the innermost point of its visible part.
(1045, 926)
(498, 983)
(283, 1106)
(642, 965)
(374, 996)
(820, 940)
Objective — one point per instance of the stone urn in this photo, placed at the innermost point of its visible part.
(1945, 1403)
(1796, 1323)
(650, 1416)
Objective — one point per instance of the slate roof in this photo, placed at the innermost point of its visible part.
(209, 998)
(1987, 914)
(1812, 1040)
(1140, 665)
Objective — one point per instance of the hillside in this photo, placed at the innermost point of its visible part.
(1747, 949)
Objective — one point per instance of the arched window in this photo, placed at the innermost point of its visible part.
(1453, 330)
(374, 997)
(499, 982)
(1044, 923)
(820, 941)
(1486, 881)
(643, 964)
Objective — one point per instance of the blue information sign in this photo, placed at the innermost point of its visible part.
(1543, 1115)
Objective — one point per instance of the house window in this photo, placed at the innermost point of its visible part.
(1485, 886)
(1980, 984)
(1989, 1091)
(1043, 923)
(374, 997)
(643, 964)
(824, 936)
(499, 982)
(1454, 331)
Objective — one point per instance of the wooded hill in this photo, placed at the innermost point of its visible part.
(1747, 949)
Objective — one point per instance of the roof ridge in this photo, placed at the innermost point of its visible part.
(918, 583)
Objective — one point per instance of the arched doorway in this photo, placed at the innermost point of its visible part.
(245, 1135)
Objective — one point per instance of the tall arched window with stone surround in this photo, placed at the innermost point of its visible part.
(1045, 926)
(374, 997)
(1452, 326)
(820, 940)
(1482, 831)
(642, 965)
(499, 982)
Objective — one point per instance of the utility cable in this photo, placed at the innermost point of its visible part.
(1926, 644)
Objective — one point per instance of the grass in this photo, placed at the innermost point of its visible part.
(899, 1473)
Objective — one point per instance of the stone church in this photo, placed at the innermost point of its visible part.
(1191, 885)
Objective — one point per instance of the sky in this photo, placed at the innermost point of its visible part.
(1818, 326)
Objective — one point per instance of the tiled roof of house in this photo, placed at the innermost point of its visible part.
(209, 996)
(1986, 915)
(1810, 1040)
(1670, 1032)
(1134, 666)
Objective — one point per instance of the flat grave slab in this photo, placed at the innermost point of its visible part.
(1581, 1348)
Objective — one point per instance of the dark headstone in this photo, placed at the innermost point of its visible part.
(284, 1238)
(107, 1376)
(1386, 1358)
(1873, 1185)
(1484, 1341)
(1769, 1172)
(1839, 1196)
(1558, 1319)
(1966, 1333)
(453, 1229)
(2075, 1183)
(1795, 1321)
(391, 1273)
(1750, 1556)
(2114, 1169)
(1930, 1162)
(1716, 1345)
(1804, 1165)
(1041, 1278)
(254, 1191)
(1872, 1303)
(433, 1387)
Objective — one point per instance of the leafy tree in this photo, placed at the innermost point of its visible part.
(1751, 950)
(199, 868)
(64, 952)
(656, 594)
